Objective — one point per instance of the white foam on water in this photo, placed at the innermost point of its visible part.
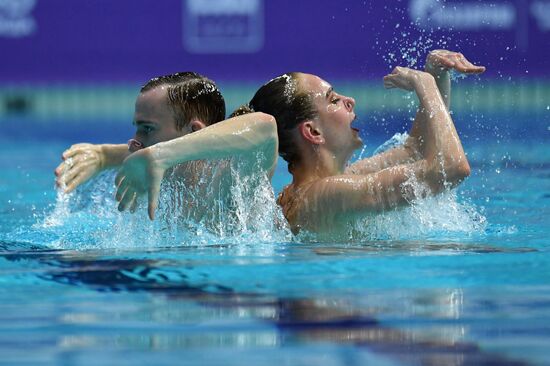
(441, 216)
(71, 221)
(444, 215)
(431, 216)
(229, 208)
(243, 213)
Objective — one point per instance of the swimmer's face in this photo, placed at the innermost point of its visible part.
(154, 119)
(335, 115)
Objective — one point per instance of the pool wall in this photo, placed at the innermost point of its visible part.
(104, 111)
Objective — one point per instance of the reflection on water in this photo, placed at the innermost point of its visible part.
(171, 303)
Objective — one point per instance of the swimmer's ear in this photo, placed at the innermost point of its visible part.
(311, 132)
(196, 125)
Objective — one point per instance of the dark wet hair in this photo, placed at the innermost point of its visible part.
(282, 99)
(191, 96)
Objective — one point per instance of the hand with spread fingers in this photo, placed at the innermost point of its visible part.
(440, 61)
(80, 163)
(140, 173)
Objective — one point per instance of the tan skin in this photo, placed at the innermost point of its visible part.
(143, 171)
(325, 194)
(154, 122)
(160, 145)
(87, 160)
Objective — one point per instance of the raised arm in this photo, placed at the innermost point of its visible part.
(83, 161)
(439, 63)
(142, 172)
(443, 164)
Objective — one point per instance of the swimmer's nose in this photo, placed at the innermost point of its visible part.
(134, 145)
(350, 103)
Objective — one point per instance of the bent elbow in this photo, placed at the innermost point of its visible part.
(266, 118)
(270, 139)
(465, 170)
(461, 169)
(458, 172)
(447, 175)
(269, 124)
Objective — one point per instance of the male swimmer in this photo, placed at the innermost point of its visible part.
(178, 119)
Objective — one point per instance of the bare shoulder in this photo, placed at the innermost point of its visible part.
(316, 204)
(326, 201)
(289, 200)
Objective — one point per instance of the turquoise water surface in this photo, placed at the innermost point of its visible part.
(438, 285)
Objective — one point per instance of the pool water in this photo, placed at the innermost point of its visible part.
(426, 295)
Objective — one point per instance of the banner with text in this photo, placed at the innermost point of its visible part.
(133, 40)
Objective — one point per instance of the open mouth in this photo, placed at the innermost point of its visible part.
(352, 122)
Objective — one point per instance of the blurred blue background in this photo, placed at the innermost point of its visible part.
(70, 70)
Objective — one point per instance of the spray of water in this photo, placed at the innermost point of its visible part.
(215, 204)
(432, 217)
(218, 204)
(426, 216)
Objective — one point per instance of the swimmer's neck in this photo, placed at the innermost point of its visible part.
(317, 166)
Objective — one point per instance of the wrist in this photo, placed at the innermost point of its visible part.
(101, 152)
(154, 155)
(436, 71)
(423, 80)
(110, 156)
(167, 154)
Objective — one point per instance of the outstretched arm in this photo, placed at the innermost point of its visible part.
(439, 63)
(443, 164)
(83, 161)
(142, 172)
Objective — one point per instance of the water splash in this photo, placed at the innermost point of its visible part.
(217, 204)
(60, 212)
(73, 219)
(396, 140)
(443, 216)
(434, 217)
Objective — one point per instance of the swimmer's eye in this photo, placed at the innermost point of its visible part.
(335, 100)
(147, 129)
